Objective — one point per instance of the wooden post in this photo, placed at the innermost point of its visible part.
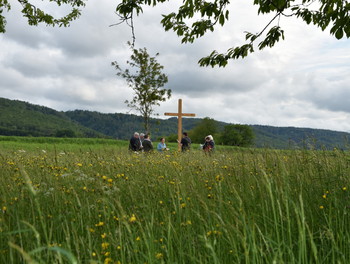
(179, 115)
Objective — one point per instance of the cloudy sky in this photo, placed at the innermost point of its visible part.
(302, 82)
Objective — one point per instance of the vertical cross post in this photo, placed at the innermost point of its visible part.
(179, 115)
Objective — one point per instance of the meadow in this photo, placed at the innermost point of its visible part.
(93, 201)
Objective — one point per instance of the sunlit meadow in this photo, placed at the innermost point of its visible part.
(93, 201)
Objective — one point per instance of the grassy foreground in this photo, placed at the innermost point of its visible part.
(94, 202)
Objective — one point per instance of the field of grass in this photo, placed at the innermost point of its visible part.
(92, 201)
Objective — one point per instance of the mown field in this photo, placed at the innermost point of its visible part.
(92, 201)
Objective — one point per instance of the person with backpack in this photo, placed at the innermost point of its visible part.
(185, 142)
(209, 144)
(147, 143)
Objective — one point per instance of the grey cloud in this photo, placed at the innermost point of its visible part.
(297, 83)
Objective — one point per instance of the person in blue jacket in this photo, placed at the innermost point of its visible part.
(162, 146)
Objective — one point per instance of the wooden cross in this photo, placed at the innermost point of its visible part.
(179, 115)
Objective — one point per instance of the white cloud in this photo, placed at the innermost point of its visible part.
(302, 81)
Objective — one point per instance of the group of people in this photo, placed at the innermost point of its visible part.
(142, 142)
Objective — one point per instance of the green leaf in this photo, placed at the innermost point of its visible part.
(339, 34)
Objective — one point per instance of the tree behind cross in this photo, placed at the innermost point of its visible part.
(146, 79)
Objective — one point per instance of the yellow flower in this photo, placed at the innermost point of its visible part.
(104, 235)
(100, 224)
(108, 260)
(159, 256)
(324, 196)
(321, 207)
(4, 208)
(138, 238)
(344, 188)
(105, 245)
(132, 219)
(183, 205)
(93, 254)
(79, 164)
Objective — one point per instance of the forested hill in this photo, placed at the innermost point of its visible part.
(19, 118)
(25, 119)
(293, 137)
(121, 126)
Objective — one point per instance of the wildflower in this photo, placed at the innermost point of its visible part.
(344, 188)
(183, 205)
(132, 219)
(100, 224)
(159, 256)
(104, 235)
(219, 178)
(93, 254)
(84, 188)
(138, 238)
(105, 245)
(321, 207)
(324, 196)
(4, 209)
(79, 164)
(119, 247)
(108, 260)
(110, 180)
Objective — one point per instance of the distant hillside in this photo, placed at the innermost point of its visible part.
(121, 126)
(292, 137)
(19, 118)
(24, 119)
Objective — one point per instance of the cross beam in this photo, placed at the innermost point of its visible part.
(179, 115)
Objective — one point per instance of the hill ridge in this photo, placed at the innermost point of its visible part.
(19, 118)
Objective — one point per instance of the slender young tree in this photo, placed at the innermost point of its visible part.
(146, 79)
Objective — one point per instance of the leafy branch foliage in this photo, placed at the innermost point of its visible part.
(333, 14)
(146, 79)
(35, 15)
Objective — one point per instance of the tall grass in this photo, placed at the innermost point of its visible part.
(107, 205)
